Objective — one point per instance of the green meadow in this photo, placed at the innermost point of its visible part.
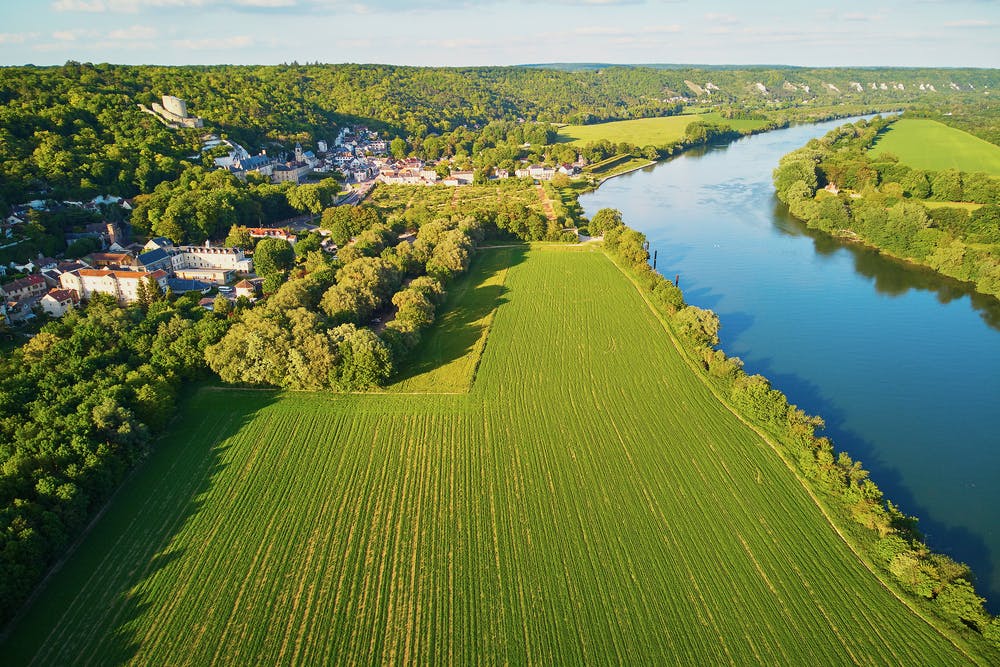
(647, 131)
(585, 500)
(928, 144)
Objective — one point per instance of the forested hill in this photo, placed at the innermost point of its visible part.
(78, 126)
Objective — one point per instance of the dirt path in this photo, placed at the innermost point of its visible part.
(546, 203)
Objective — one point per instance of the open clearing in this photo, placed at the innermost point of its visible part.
(646, 131)
(588, 501)
(928, 144)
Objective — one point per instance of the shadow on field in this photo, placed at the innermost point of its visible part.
(459, 326)
(134, 540)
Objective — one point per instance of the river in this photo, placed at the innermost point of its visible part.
(903, 364)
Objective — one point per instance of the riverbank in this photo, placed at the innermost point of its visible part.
(984, 263)
(882, 538)
(713, 220)
(679, 147)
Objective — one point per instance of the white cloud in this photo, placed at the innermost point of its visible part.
(66, 35)
(969, 23)
(214, 43)
(725, 19)
(617, 31)
(16, 37)
(135, 32)
(79, 6)
(265, 3)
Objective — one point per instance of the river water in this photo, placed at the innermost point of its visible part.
(903, 364)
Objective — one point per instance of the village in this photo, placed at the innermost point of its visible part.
(359, 157)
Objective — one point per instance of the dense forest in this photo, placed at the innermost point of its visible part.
(79, 404)
(879, 201)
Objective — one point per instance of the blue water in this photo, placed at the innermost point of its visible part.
(903, 364)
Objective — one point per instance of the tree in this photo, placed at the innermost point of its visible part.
(366, 361)
(273, 256)
(221, 305)
(239, 237)
(605, 219)
(947, 185)
(398, 148)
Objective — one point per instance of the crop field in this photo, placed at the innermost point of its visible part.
(587, 501)
(446, 359)
(646, 131)
(928, 144)
(391, 199)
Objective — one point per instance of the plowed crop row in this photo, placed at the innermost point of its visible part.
(588, 501)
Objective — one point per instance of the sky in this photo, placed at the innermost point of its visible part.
(904, 33)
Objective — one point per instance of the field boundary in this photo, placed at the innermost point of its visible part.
(475, 354)
(768, 440)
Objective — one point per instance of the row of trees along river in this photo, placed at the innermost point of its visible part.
(902, 363)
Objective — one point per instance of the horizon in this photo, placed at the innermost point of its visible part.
(484, 33)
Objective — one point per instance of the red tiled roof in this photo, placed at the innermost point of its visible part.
(27, 281)
(63, 294)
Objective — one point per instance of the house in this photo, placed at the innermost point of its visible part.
(541, 173)
(153, 260)
(122, 285)
(462, 177)
(210, 276)
(110, 259)
(158, 242)
(246, 288)
(24, 288)
(181, 285)
(18, 310)
(58, 302)
(272, 233)
(210, 257)
(290, 171)
(568, 169)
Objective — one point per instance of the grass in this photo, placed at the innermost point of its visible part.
(646, 131)
(445, 362)
(391, 199)
(930, 145)
(588, 501)
(968, 206)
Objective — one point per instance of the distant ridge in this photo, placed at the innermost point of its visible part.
(580, 67)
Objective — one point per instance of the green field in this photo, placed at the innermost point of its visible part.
(588, 501)
(968, 206)
(646, 131)
(930, 145)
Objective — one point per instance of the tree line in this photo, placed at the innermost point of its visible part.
(79, 405)
(886, 536)
(76, 130)
(881, 203)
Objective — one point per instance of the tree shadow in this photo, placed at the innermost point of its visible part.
(134, 539)
(460, 324)
(956, 541)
